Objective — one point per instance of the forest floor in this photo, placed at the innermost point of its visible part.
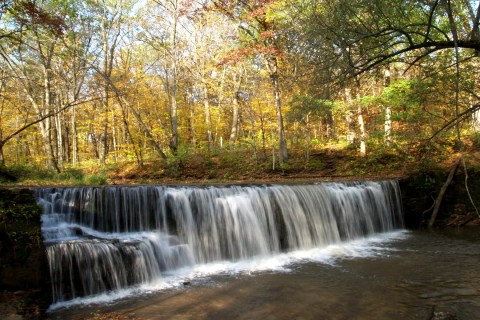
(232, 166)
(225, 167)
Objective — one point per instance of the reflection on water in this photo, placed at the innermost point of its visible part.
(412, 275)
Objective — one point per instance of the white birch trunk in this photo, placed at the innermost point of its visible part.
(388, 114)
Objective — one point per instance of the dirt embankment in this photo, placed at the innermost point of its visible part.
(459, 206)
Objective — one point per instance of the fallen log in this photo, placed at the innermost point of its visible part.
(439, 198)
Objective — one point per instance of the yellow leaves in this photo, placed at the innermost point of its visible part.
(257, 12)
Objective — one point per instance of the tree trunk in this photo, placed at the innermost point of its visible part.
(105, 101)
(330, 124)
(129, 137)
(142, 124)
(282, 151)
(2, 158)
(45, 128)
(351, 135)
(236, 112)
(208, 120)
(174, 107)
(439, 198)
(282, 144)
(60, 145)
(46, 125)
(114, 136)
(233, 131)
(103, 144)
(388, 126)
(110, 34)
(273, 149)
(220, 104)
(307, 138)
(262, 128)
(254, 141)
(193, 137)
(75, 160)
(361, 123)
(476, 120)
(174, 121)
(388, 114)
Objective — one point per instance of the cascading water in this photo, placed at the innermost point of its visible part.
(103, 239)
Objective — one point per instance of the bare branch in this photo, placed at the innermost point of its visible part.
(432, 46)
(430, 19)
(460, 117)
(475, 35)
(49, 115)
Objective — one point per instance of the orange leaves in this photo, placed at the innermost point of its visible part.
(237, 55)
(240, 54)
(257, 31)
(259, 11)
(268, 50)
(267, 34)
(187, 8)
(27, 12)
(246, 10)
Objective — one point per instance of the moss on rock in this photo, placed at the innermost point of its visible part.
(23, 262)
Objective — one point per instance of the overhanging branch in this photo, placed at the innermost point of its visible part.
(44, 117)
(458, 118)
(431, 46)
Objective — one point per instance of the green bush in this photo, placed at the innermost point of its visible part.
(23, 172)
(96, 179)
(70, 175)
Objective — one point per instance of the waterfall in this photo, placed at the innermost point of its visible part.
(103, 239)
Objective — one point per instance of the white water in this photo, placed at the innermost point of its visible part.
(107, 243)
(283, 262)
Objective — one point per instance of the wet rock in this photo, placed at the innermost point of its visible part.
(78, 232)
(24, 275)
(23, 262)
(442, 316)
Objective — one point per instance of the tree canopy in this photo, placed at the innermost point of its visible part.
(112, 81)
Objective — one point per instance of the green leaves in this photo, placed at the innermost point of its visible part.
(306, 105)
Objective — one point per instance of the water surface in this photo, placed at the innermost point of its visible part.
(398, 276)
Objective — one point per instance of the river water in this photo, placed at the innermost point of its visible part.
(396, 275)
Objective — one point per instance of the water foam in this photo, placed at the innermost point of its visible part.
(377, 246)
(108, 241)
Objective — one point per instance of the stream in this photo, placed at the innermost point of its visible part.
(396, 275)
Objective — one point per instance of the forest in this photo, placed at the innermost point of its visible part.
(215, 136)
(183, 88)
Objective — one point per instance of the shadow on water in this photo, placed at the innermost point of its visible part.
(412, 275)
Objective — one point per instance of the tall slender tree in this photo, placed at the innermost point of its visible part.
(258, 38)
